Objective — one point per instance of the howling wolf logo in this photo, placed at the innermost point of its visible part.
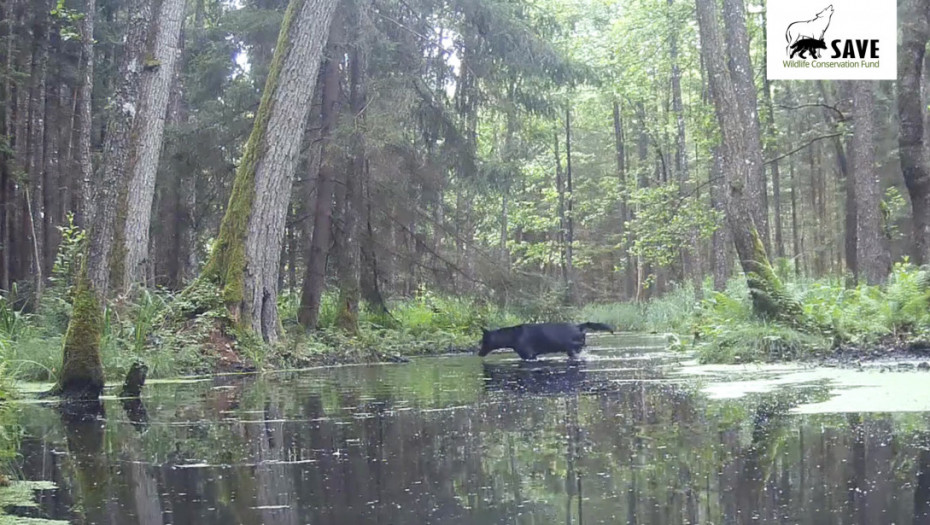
(807, 35)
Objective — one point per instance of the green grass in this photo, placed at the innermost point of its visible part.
(898, 311)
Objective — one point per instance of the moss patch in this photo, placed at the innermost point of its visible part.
(82, 369)
(227, 263)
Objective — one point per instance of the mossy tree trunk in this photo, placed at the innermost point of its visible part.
(768, 297)
(157, 80)
(245, 258)
(81, 373)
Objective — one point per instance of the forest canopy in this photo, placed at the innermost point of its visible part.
(271, 168)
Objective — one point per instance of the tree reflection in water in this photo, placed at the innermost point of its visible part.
(458, 441)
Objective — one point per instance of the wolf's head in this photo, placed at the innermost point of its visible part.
(826, 13)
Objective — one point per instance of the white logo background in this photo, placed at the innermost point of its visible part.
(852, 19)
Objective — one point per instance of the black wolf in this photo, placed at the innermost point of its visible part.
(807, 45)
(531, 340)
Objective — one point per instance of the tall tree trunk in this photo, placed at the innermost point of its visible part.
(7, 191)
(746, 103)
(315, 271)
(148, 133)
(795, 231)
(563, 220)
(691, 254)
(82, 372)
(720, 242)
(915, 32)
(85, 113)
(872, 255)
(627, 280)
(768, 298)
(244, 261)
(771, 149)
(36, 162)
(347, 240)
(112, 182)
(849, 244)
(370, 273)
(569, 210)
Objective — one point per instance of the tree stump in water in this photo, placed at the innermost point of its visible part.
(135, 379)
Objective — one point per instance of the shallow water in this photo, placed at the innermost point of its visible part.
(629, 435)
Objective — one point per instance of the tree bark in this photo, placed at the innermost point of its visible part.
(771, 149)
(148, 133)
(347, 241)
(81, 372)
(746, 103)
(915, 32)
(36, 163)
(627, 278)
(85, 113)
(563, 220)
(569, 211)
(112, 181)
(766, 291)
(873, 258)
(244, 262)
(370, 272)
(690, 254)
(7, 191)
(315, 272)
(720, 242)
(795, 231)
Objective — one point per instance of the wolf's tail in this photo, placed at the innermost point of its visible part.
(595, 327)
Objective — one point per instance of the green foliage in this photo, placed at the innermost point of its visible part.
(667, 220)
(831, 315)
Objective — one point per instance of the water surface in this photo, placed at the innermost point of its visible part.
(622, 437)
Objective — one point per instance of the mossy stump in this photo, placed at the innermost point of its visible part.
(81, 374)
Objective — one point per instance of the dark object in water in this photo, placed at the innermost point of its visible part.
(532, 340)
(135, 379)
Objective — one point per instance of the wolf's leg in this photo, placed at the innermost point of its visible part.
(526, 353)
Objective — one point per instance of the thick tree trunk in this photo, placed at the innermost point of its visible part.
(244, 262)
(148, 133)
(767, 294)
(915, 32)
(746, 103)
(85, 113)
(81, 372)
(315, 272)
(110, 186)
(873, 258)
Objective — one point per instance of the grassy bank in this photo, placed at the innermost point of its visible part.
(722, 329)
(30, 343)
